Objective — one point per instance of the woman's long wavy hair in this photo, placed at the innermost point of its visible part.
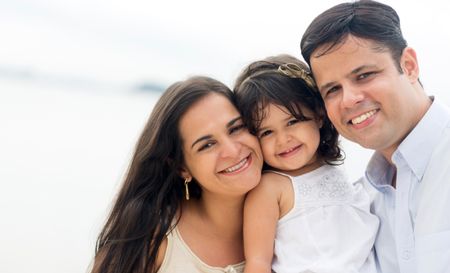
(148, 204)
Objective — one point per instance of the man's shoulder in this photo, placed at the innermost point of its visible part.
(441, 153)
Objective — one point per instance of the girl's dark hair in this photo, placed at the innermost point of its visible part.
(262, 83)
(151, 195)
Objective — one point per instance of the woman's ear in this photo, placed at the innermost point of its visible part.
(185, 174)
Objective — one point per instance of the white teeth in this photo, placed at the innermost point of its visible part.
(288, 151)
(363, 117)
(236, 167)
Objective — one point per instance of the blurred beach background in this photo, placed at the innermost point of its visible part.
(79, 78)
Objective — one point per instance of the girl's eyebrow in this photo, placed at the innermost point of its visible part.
(261, 129)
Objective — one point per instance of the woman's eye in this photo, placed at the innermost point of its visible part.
(237, 128)
(206, 146)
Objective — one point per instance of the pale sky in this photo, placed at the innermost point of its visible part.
(126, 42)
(69, 118)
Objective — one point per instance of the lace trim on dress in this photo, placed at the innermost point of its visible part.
(328, 187)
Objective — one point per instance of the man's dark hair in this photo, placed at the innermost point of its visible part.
(363, 19)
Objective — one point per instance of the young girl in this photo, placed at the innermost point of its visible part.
(304, 216)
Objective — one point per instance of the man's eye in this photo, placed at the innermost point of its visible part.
(365, 75)
(333, 89)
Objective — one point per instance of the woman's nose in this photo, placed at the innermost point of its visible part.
(230, 148)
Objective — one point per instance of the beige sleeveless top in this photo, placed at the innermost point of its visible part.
(180, 258)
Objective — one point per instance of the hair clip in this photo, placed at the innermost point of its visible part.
(294, 71)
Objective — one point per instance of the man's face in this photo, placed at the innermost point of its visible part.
(367, 99)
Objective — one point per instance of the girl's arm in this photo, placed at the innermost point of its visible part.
(261, 214)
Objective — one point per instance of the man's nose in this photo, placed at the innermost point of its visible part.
(351, 95)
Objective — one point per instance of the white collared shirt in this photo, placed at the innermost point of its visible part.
(414, 234)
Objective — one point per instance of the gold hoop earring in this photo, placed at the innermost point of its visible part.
(186, 182)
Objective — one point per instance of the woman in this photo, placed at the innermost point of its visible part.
(181, 205)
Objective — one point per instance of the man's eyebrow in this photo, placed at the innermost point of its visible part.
(362, 67)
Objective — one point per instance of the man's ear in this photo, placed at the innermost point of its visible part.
(409, 64)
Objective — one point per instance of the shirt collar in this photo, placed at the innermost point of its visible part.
(379, 172)
(416, 149)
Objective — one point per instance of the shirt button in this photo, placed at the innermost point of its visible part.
(406, 254)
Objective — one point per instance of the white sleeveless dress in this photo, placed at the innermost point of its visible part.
(330, 228)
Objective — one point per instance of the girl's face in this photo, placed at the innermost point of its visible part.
(219, 152)
(288, 144)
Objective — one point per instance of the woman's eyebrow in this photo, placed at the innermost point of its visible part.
(229, 124)
(201, 139)
(233, 121)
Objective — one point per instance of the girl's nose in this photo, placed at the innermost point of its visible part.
(283, 137)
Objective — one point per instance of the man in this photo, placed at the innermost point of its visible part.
(369, 80)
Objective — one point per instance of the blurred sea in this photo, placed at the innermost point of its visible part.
(63, 152)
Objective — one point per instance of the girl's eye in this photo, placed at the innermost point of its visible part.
(237, 128)
(205, 146)
(292, 122)
(265, 133)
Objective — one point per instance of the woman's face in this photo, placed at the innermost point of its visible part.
(219, 151)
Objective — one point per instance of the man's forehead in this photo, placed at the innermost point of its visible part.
(348, 45)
